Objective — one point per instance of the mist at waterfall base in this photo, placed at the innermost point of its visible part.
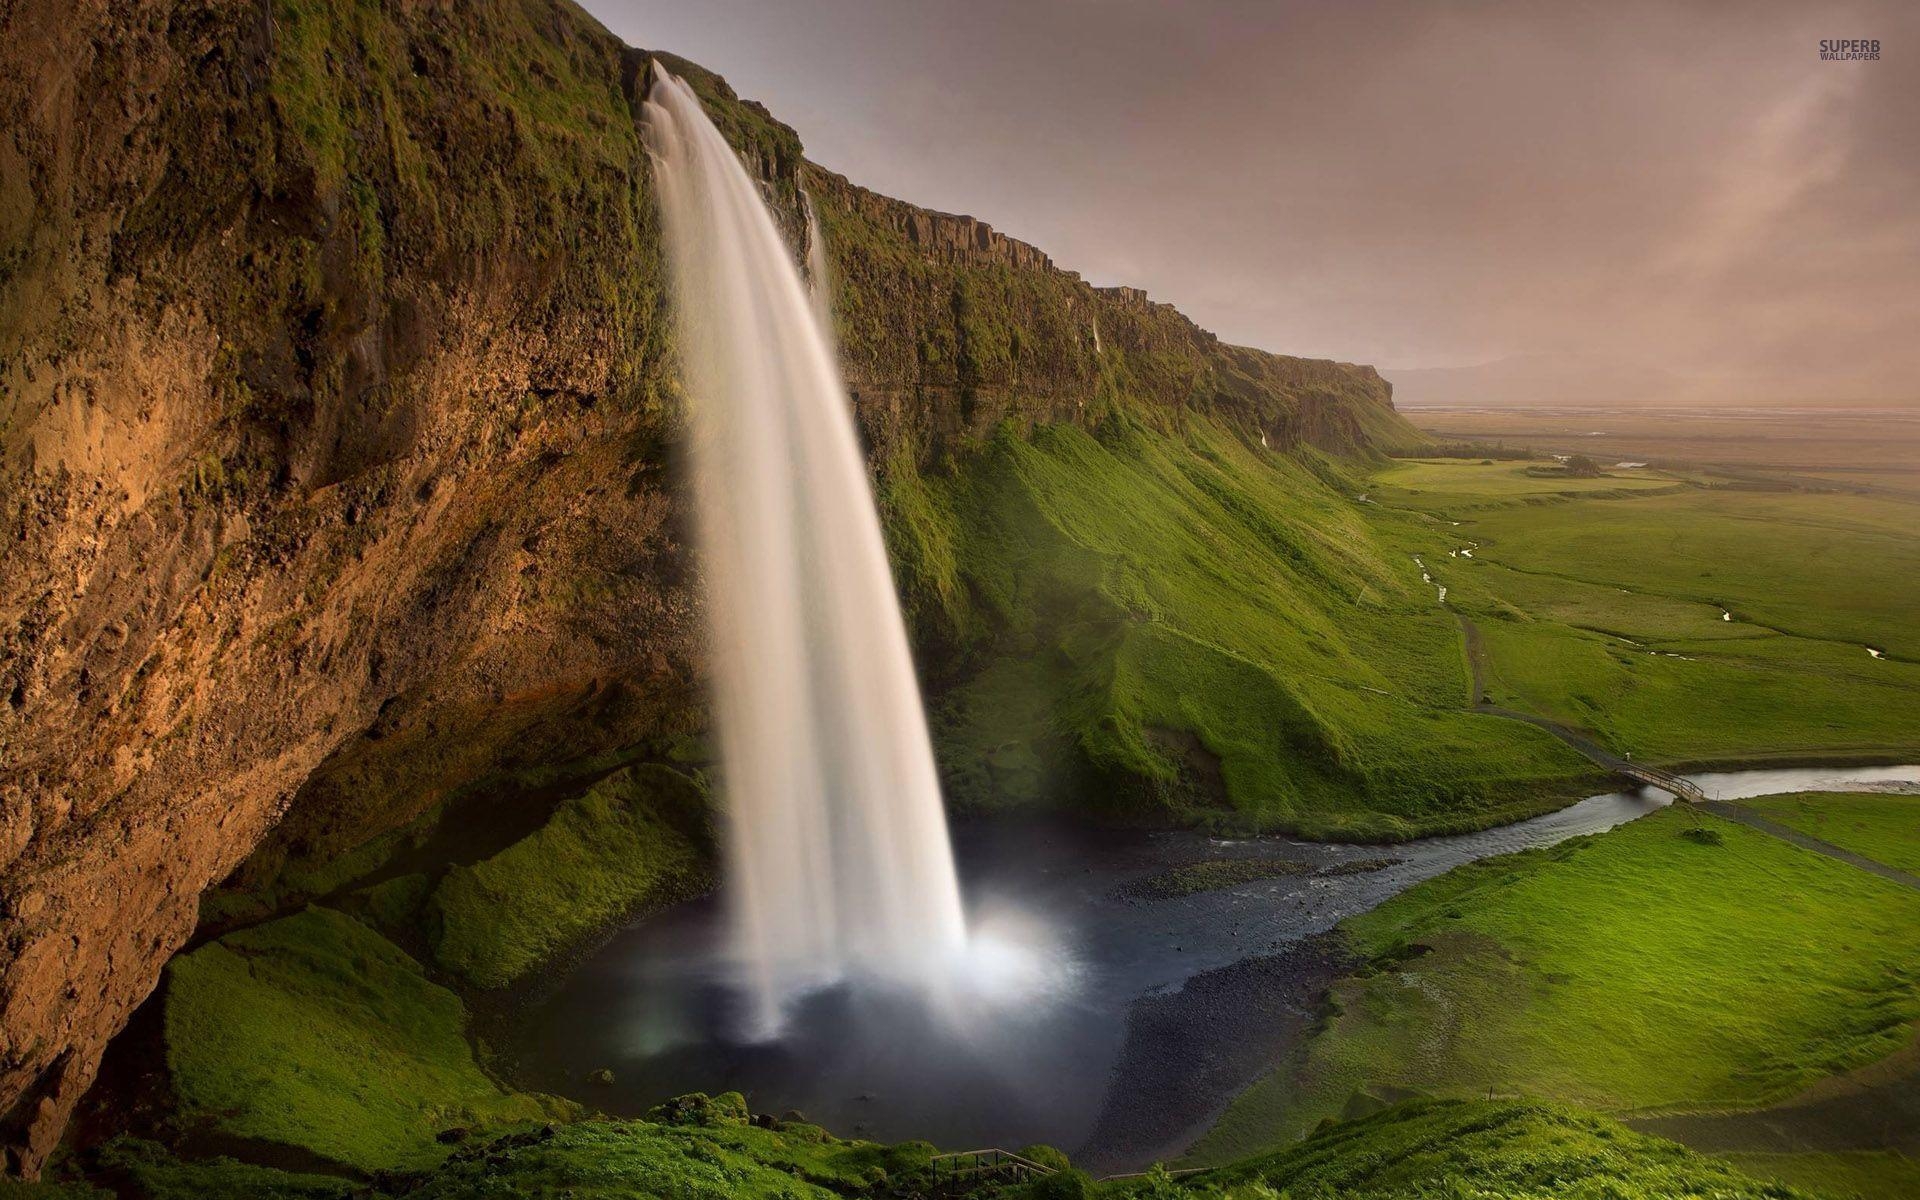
(839, 868)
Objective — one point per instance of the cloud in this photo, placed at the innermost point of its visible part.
(1683, 186)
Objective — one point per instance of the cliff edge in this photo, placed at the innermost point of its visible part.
(336, 398)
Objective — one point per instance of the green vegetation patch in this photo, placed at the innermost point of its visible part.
(1885, 828)
(637, 839)
(1868, 1175)
(156, 1174)
(1186, 626)
(1641, 969)
(691, 1148)
(316, 1032)
(706, 1150)
(1679, 624)
(1429, 1149)
(48, 1189)
(1210, 875)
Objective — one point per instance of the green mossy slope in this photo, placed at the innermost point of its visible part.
(638, 839)
(314, 1031)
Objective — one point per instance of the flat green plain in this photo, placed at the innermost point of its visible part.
(1677, 622)
(1461, 477)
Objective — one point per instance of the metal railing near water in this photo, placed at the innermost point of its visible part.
(959, 1172)
(963, 1170)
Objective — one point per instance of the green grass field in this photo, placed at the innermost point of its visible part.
(1883, 828)
(1677, 622)
(1642, 969)
(1462, 479)
(1865, 1174)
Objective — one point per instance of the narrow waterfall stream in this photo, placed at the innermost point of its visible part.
(839, 863)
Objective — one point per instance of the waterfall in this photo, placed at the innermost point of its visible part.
(838, 858)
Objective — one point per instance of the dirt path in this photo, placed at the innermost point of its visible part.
(1477, 666)
(1476, 658)
(1601, 756)
(1753, 820)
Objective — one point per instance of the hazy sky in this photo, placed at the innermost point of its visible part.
(1684, 186)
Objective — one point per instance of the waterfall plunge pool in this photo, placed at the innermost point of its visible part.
(1094, 1007)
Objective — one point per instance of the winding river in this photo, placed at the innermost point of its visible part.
(1125, 1025)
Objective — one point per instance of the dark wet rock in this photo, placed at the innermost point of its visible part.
(1195, 1049)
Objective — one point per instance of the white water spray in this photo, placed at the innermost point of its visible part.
(838, 853)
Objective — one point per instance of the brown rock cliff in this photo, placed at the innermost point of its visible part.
(335, 401)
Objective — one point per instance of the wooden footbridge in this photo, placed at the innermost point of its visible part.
(1680, 787)
(1666, 781)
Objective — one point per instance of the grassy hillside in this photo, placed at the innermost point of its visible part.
(1680, 961)
(313, 1031)
(701, 1149)
(1489, 1151)
(1182, 622)
(457, 1136)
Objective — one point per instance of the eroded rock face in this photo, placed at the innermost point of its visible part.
(335, 409)
(985, 330)
(296, 473)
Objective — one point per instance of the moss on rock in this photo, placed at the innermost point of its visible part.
(314, 1031)
(637, 839)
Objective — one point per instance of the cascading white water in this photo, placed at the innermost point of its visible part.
(838, 853)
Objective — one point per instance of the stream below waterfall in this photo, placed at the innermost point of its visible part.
(1051, 1060)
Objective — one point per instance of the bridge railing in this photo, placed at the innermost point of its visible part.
(961, 1170)
(1666, 781)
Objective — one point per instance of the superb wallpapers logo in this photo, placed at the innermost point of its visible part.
(1850, 50)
